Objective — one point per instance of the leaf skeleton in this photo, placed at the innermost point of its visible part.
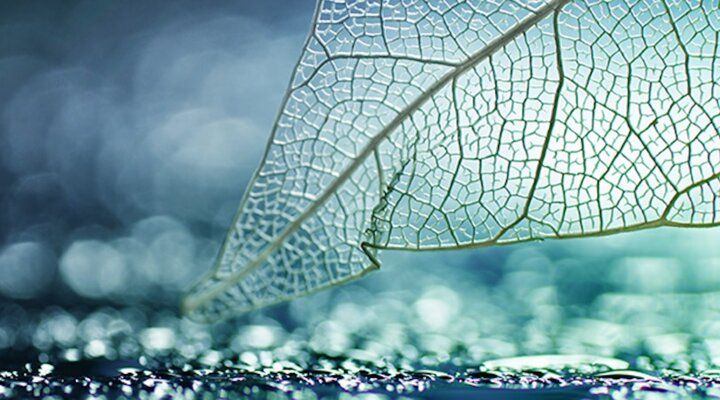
(432, 125)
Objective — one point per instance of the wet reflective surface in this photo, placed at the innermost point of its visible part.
(114, 352)
(432, 331)
(287, 380)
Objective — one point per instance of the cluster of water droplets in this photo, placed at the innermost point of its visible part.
(439, 337)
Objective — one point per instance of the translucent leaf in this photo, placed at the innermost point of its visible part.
(425, 124)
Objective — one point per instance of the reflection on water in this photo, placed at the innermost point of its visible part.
(612, 317)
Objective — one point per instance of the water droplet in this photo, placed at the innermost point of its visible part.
(128, 371)
(45, 369)
(96, 348)
(714, 373)
(211, 358)
(434, 375)
(626, 374)
(484, 375)
(555, 361)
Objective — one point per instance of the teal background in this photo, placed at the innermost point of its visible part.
(127, 135)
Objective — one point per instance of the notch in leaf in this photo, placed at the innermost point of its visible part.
(438, 125)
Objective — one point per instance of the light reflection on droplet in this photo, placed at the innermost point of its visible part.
(258, 336)
(555, 361)
(96, 348)
(157, 339)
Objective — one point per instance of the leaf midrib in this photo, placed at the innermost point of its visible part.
(194, 302)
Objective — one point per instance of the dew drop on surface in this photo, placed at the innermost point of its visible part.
(434, 375)
(555, 361)
(626, 374)
(211, 358)
(45, 369)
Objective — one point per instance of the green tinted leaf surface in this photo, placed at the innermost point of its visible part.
(446, 124)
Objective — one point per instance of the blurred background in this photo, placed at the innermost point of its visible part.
(128, 132)
(127, 135)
